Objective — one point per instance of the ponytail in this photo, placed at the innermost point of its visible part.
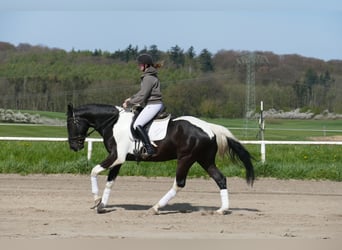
(158, 65)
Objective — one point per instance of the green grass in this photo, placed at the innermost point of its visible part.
(13, 130)
(282, 161)
(281, 129)
(302, 162)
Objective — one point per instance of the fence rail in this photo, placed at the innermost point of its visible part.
(88, 140)
(263, 144)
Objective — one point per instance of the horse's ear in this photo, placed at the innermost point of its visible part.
(70, 109)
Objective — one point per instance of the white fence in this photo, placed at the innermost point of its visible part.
(90, 142)
(263, 144)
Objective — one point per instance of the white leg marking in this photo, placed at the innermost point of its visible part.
(167, 197)
(93, 178)
(224, 201)
(106, 192)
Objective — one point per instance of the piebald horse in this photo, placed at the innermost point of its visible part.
(187, 139)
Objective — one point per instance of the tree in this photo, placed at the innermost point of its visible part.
(176, 56)
(130, 53)
(97, 52)
(154, 52)
(35, 77)
(191, 53)
(311, 77)
(205, 60)
(190, 59)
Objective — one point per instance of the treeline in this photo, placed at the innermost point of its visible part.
(196, 83)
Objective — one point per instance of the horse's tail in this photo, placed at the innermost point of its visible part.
(227, 143)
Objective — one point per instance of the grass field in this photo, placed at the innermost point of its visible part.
(283, 161)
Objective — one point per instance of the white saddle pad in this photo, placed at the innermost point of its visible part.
(158, 129)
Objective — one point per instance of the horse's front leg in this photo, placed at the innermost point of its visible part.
(101, 202)
(94, 186)
(112, 162)
(113, 173)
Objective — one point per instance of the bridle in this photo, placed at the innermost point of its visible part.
(76, 121)
(80, 138)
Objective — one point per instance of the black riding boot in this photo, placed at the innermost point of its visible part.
(146, 140)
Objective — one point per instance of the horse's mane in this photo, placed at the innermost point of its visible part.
(96, 109)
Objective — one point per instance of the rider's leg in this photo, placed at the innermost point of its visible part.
(145, 139)
(144, 117)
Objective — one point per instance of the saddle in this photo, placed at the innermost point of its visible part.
(162, 117)
(162, 114)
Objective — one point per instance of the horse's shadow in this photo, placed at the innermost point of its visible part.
(174, 208)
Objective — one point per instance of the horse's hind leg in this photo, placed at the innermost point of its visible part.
(221, 182)
(179, 183)
(166, 198)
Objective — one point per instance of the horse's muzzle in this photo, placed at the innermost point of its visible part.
(76, 148)
(76, 145)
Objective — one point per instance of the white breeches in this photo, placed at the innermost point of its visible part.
(146, 115)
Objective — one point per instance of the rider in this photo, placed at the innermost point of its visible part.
(149, 97)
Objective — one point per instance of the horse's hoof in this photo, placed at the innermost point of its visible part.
(154, 210)
(97, 202)
(223, 211)
(101, 209)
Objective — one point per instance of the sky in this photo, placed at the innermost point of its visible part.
(304, 27)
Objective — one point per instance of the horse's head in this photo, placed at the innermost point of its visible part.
(77, 129)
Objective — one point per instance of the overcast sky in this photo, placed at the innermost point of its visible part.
(305, 27)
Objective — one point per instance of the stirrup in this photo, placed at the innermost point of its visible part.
(147, 153)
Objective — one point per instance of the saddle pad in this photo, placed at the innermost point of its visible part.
(158, 129)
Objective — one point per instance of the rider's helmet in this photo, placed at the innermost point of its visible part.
(145, 59)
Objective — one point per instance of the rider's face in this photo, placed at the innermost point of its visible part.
(141, 67)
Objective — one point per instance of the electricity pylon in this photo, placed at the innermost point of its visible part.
(251, 60)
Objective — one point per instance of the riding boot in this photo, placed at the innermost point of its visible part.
(146, 141)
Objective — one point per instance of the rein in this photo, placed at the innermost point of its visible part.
(102, 125)
(89, 133)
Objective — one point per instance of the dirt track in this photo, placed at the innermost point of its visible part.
(57, 206)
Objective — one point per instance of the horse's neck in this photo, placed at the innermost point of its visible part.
(125, 119)
(99, 121)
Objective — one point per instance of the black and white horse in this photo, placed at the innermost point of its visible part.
(187, 139)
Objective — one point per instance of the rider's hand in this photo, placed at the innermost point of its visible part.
(125, 103)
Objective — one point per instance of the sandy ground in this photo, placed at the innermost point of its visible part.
(58, 207)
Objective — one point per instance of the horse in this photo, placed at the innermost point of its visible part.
(187, 139)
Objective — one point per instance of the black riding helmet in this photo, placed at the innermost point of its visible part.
(145, 59)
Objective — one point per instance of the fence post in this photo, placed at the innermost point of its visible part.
(263, 151)
(262, 129)
(90, 149)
